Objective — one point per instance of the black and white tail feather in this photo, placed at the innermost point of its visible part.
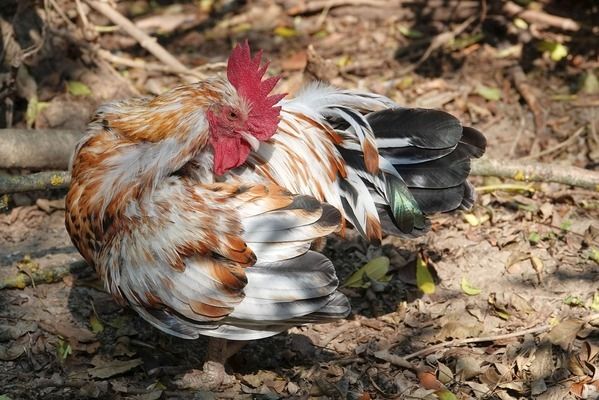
(424, 158)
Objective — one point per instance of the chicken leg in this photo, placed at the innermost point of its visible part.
(213, 374)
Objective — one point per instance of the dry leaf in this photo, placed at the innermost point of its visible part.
(113, 367)
(564, 333)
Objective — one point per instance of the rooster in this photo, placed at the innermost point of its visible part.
(199, 207)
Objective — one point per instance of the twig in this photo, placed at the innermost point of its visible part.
(128, 62)
(38, 181)
(146, 41)
(463, 342)
(437, 42)
(526, 91)
(43, 275)
(537, 172)
(343, 328)
(319, 5)
(557, 147)
(540, 17)
(37, 149)
(506, 187)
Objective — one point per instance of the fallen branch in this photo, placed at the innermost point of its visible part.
(32, 182)
(315, 6)
(43, 275)
(37, 149)
(540, 17)
(557, 147)
(525, 90)
(537, 172)
(147, 42)
(463, 342)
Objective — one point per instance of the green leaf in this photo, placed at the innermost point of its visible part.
(424, 279)
(445, 395)
(566, 225)
(520, 23)
(410, 33)
(375, 269)
(468, 288)
(34, 107)
(595, 302)
(63, 349)
(594, 254)
(96, 324)
(573, 301)
(534, 238)
(556, 51)
(77, 88)
(285, 32)
(489, 93)
(4, 397)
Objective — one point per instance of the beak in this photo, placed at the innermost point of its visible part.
(251, 140)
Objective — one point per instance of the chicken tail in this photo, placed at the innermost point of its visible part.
(425, 162)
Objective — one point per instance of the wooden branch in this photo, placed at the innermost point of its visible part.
(147, 42)
(540, 17)
(521, 83)
(537, 172)
(37, 149)
(43, 275)
(39, 181)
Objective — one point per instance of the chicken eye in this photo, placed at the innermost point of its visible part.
(232, 115)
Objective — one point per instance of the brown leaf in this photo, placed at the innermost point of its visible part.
(114, 367)
(296, 61)
(565, 332)
(429, 381)
(467, 367)
(68, 330)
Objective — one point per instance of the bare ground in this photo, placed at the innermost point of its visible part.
(517, 276)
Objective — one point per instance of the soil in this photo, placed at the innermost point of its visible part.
(515, 279)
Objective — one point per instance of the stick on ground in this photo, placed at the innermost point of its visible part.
(147, 42)
(537, 172)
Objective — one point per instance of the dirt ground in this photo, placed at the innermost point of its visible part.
(515, 308)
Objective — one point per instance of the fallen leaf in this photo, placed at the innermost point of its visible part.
(11, 332)
(424, 279)
(375, 269)
(113, 368)
(480, 389)
(468, 288)
(556, 51)
(285, 32)
(472, 219)
(459, 330)
(96, 324)
(564, 333)
(467, 367)
(488, 93)
(445, 395)
(428, 380)
(444, 374)
(595, 302)
(573, 301)
(296, 61)
(11, 352)
(77, 88)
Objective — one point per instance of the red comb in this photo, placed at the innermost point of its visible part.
(245, 74)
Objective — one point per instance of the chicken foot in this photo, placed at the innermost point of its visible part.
(213, 374)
